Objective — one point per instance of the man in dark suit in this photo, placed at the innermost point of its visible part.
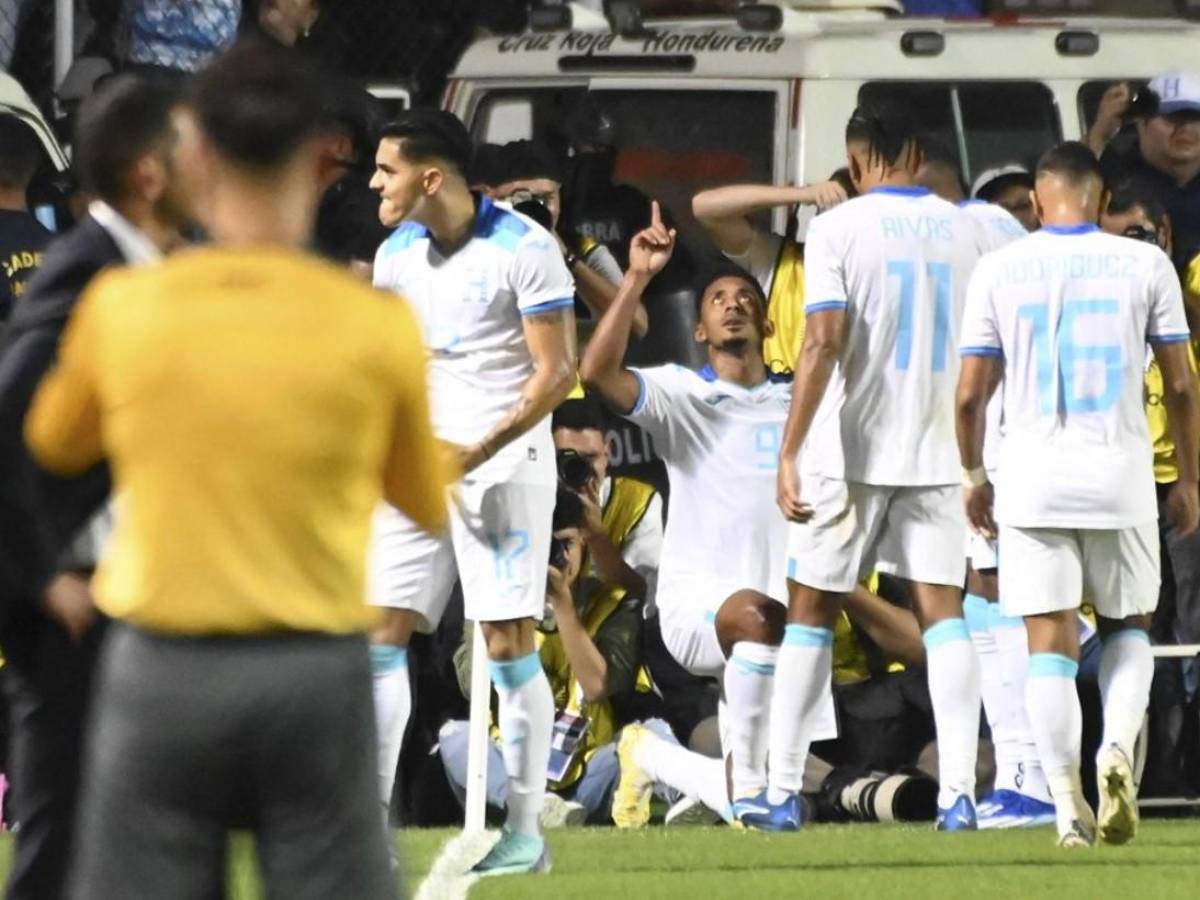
(127, 148)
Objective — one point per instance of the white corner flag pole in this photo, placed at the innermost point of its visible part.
(477, 734)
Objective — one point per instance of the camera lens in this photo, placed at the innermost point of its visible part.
(574, 470)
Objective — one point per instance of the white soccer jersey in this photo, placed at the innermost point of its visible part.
(720, 443)
(1070, 311)
(897, 260)
(470, 305)
(1000, 228)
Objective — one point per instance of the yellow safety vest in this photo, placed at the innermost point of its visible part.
(1165, 469)
(851, 663)
(785, 310)
(627, 505)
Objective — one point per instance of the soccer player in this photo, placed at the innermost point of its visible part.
(723, 546)
(871, 422)
(1020, 797)
(495, 302)
(1066, 314)
(253, 403)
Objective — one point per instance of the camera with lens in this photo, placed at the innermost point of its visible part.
(574, 469)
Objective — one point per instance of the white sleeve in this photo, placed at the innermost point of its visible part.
(980, 334)
(643, 545)
(824, 269)
(539, 275)
(760, 256)
(601, 261)
(661, 403)
(1166, 322)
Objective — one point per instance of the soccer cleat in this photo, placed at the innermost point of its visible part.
(690, 811)
(560, 813)
(515, 853)
(759, 814)
(1011, 809)
(1118, 813)
(1080, 834)
(959, 817)
(631, 797)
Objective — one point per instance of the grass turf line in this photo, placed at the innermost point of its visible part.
(857, 862)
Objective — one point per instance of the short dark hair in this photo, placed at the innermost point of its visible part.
(938, 153)
(568, 510)
(724, 267)
(487, 165)
(1142, 193)
(259, 102)
(20, 153)
(528, 159)
(116, 126)
(842, 177)
(578, 414)
(1071, 160)
(886, 128)
(426, 134)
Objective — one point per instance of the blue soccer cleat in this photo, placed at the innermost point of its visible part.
(757, 813)
(515, 853)
(1037, 812)
(1012, 809)
(959, 817)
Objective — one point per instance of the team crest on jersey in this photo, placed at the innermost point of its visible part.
(715, 399)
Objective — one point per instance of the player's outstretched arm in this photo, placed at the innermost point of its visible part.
(892, 628)
(824, 333)
(1183, 413)
(977, 379)
(602, 368)
(724, 212)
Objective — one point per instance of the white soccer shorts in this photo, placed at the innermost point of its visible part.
(981, 552)
(498, 543)
(917, 533)
(1048, 570)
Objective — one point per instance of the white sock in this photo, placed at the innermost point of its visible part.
(393, 706)
(692, 774)
(1126, 670)
(802, 675)
(526, 725)
(1012, 642)
(1057, 722)
(978, 615)
(953, 671)
(749, 677)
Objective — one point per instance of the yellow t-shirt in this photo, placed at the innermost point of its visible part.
(254, 404)
(1165, 470)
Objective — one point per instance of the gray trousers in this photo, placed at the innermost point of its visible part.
(191, 737)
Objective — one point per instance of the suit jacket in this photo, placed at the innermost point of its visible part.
(41, 513)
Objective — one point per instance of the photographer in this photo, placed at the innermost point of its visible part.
(623, 522)
(527, 175)
(588, 644)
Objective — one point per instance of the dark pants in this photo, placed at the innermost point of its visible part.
(47, 681)
(193, 736)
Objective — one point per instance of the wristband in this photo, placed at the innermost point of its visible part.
(973, 478)
(572, 260)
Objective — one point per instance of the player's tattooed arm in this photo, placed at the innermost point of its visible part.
(551, 341)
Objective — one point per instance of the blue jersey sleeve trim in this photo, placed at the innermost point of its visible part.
(981, 351)
(824, 306)
(548, 306)
(640, 403)
(1167, 338)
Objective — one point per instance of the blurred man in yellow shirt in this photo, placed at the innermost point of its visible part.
(254, 405)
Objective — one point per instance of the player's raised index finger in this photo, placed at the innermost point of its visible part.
(655, 215)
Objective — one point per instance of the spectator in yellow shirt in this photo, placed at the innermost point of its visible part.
(254, 404)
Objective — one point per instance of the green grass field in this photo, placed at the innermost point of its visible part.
(862, 862)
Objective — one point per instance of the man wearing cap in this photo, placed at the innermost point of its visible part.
(1009, 186)
(1167, 150)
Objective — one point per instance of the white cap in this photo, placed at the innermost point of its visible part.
(1177, 92)
(990, 175)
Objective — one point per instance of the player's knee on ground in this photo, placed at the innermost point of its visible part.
(395, 627)
(749, 616)
(509, 640)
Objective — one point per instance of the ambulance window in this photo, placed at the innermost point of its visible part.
(1092, 92)
(983, 123)
(508, 119)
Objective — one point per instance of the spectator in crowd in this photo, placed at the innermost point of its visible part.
(334, 416)
(22, 237)
(1010, 187)
(588, 645)
(940, 173)
(1166, 153)
(775, 260)
(1136, 211)
(126, 159)
(623, 525)
(166, 35)
(527, 172)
